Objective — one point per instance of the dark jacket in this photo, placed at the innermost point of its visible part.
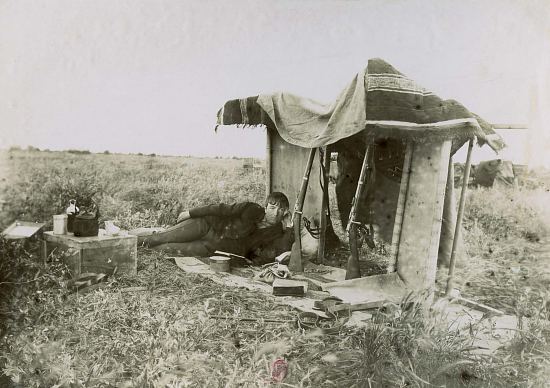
(234, 227)
(267, 250)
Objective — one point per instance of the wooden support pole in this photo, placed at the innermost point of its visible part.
(268, 162)
(352, 270)
(398, 223)
(324, 205)
(458, 224)
(295, 264)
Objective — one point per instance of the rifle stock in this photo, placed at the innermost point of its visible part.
(295, 264)
(352, 269)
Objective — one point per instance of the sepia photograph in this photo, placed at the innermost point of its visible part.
(292, 193)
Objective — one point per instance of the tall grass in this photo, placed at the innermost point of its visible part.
(506, 231)
(167, 336)
(508, 212)
(134, 190)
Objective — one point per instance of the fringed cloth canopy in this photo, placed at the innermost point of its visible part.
(379, 99)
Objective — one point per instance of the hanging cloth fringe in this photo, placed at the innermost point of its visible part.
(244, 113)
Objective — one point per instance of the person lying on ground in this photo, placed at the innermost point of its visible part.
(244, 228)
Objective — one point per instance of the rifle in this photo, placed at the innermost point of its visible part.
(296, 252)
(352, 270)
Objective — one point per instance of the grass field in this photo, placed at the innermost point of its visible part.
(165, 336)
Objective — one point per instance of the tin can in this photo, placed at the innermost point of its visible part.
(60, 224)
(220, 264)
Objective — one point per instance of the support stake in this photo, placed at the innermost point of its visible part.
(458, 224)
(401, 200)
(324, 205)
(268, 162)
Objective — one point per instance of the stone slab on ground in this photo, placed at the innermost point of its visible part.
(488, 332)
(370, 289)
(194, 265)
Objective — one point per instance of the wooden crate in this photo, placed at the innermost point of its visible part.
(100, 254)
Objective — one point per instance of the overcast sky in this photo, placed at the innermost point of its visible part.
(149, 76)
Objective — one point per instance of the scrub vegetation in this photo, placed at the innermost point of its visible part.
(166, 328)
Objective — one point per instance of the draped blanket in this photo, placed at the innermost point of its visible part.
(379, 99)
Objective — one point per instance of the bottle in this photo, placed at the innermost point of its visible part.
(71, 211)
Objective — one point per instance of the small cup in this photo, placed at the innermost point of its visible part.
(60, 224)
(111, 229)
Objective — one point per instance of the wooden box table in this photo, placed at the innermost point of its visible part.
(100, 254)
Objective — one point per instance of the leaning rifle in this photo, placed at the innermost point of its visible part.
(296, 252)
(352, 270)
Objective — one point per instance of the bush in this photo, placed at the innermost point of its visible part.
(406, 345)
(25, 282)
(79, 152)
(504, 213)
(131, 190)
(46, 190)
